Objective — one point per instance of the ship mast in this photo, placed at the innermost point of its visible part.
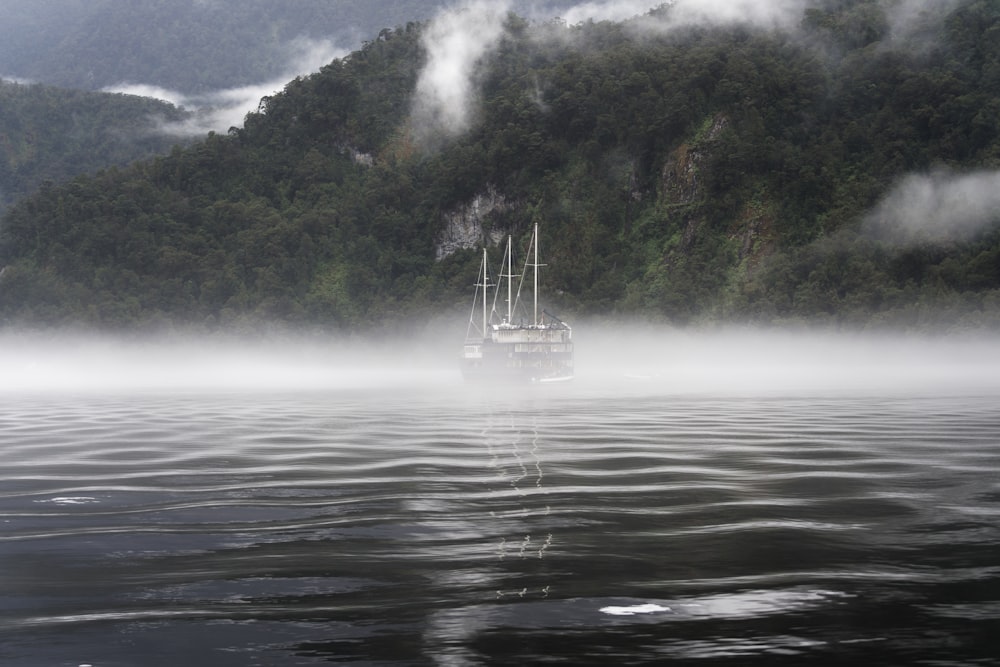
(486, 287)
(510, 293)
(536, 265)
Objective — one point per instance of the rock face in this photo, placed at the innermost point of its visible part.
(681, 190)
(680, 176)
(473, 224)
(680, 180)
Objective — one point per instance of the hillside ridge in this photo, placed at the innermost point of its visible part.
(689, 175)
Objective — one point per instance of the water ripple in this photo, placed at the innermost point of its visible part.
(471, 519)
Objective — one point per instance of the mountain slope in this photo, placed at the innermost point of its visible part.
(696, 174)
(51, 134)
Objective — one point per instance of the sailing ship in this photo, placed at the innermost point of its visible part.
(536, 348)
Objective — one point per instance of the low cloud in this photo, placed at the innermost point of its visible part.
(216, 111)
(457, 41)
(761, 13)
(220, 110)
(910, 17)
(683, 13)
(935, 208)
(15, 79)
(460, 39)
(607, 10)
(906, 18)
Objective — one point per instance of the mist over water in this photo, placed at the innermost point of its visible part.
(608, 359)
(748, 497)
(224, 363)
(775, 361)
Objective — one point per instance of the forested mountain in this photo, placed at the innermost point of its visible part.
(52, 134)
(212, 58)
(833, 171)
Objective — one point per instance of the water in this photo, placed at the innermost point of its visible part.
(423, 522)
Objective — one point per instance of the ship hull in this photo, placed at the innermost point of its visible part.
(520, 355)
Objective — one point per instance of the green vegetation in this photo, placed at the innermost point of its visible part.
(50, 134)
(698, 175)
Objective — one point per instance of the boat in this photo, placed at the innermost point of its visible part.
(537, 347)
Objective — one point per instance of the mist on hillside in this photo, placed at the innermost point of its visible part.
(460, 37)
(939, 207)
(223, 109)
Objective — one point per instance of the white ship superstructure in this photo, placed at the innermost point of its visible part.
(538, 348)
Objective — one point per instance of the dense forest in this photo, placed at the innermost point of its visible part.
(52, 134)
(690, 175)
(205, 56)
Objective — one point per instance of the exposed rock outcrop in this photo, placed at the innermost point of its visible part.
(754, 231)
(680, 176)
(361, 159)
(473, 224)
(680, 179)
(681, 188)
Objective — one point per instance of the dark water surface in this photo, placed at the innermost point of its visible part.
(570, 524)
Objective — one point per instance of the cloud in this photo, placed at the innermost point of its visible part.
(905, 17)
(607, 10)
(761, 13)
(938, 207)
(460, 39)
(457, 41)
(15, 79)
(219, 110)
(908, 17)
(680, 13)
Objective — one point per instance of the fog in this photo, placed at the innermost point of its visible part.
(15, 79)
(607, 10)
(792, 363)
(457, 42)
(907, 17)
(904, 16)
(222, 109)
(937, 207)
(768, 14)
(96, 363)
(609, 361)
(461, 38)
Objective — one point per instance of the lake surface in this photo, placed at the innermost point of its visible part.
(418, 521)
